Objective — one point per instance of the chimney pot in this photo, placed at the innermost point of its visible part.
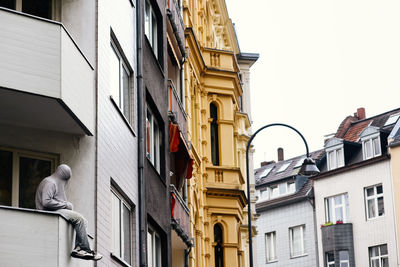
(280, 154)
(361, 113)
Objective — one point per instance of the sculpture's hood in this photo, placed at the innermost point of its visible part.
(63, 172)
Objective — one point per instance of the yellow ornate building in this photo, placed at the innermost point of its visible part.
(217, 106)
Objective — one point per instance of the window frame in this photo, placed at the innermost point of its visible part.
(123, 68)
(375, 197)
(122, 203)
(16, 155)
(330, 203)
(153, 234)
(380, 257)
(55, 9)
(344, 261)
(149, 18)
(330, 263)
(335, 156)
(154, 154)
(369, 143)
(302, 241)
(270, 242)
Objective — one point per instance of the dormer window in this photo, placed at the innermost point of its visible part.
(277, 190)
(371, 142)
(334, 153)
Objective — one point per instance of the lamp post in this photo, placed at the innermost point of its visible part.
(308, 168)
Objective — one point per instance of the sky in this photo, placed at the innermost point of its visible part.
(319, 61)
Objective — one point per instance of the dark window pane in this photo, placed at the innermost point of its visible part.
(126, 234)
(40, 8)
(214, 135)
(5, 177)
(8, 4)
(31, 173)
(126, 94)
(330, 256)
(381, 208)
(384, 250)
(379, 189)
(370, 191)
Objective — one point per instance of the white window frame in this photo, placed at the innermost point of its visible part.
(380, 257)
(270, 242)
(370, 144)
(335, 156)
(330, 263)
(155, 140)
(152, 247)
(117, 234)
(119, 99)
(302, 241)
(330, 205)
(274, 191)
(374, 197)
(16, 155)
(151, 27)
(344, 263)
(291, 187)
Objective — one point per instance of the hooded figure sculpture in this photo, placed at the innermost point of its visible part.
(50, 196)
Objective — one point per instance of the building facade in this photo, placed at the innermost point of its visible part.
(286, 219)
(354, 195)
(218, 131)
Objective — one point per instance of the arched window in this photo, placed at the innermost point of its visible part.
(214, 135)
(218, 249)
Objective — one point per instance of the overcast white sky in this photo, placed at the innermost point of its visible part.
(319, 61)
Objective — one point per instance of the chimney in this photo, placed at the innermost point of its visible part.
(280, 154)
(361, 113)
(264, 163)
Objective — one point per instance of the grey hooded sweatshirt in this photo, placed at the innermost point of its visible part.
(50, 194)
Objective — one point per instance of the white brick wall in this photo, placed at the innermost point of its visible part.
(279, 220)
(117, 145)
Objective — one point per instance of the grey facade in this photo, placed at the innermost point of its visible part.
(336, 238)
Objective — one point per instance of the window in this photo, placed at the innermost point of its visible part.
(392, 119)
(120, 82)
(121, 228)
(344, 258)
(21, 172)
(274, 191)
(330, 259)
(153, 140)
(153, 249)
(214, 134)
(299, 162)
(264, 194)
(374, 201)
(372, 148)
(378, 256)
(296, 235)
(40, 8)
(265, 172)
(291, 187)
(281, 189)
(336, 208)
(270, 246)
(284, 167)
(218, 246)
(335, 159)
(150, 27)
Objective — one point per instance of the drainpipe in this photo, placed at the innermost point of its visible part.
(141, 150)
(187, 252)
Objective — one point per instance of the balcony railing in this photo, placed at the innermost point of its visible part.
(36, 238)
(176, 106)
(180, 219)
(45, 80)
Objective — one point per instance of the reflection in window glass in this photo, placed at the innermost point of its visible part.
(31, 173)
(374, 201)
(330, 259)
(378, 256)
(40, 8)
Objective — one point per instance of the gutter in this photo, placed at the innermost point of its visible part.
(141, 180)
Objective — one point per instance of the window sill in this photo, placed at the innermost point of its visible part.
(299, 256)
(375, 218)
(119, 260)
(271, 261)
(123, 116)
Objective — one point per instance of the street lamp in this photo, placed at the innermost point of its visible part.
(308, 168)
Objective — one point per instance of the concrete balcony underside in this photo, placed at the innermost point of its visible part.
(45, 80)
(35, 238)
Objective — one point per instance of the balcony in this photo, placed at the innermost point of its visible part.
(227, 177)
(180, 220)
(45, 80)
(175, 28)
(176, 107)
(36, 238)
(338, 237)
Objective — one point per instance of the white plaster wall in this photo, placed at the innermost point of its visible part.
(279, 220)
(366, 233)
